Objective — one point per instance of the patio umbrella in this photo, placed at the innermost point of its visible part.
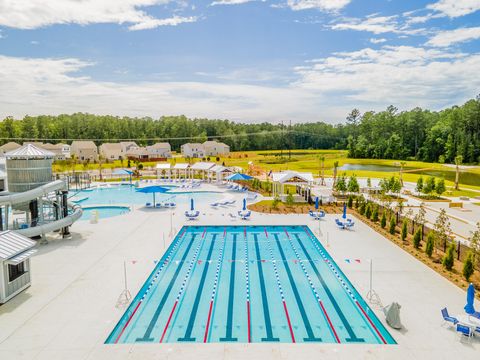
(316, 203)
(192, 204)
(239, 176)
(344, 211)
(469, 309)
(122, 172)
(153, 190)
(244, 204)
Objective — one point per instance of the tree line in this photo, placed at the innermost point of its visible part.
(418, 134)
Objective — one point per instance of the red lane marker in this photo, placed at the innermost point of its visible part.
(224, 232)
(245, 231)
(305, 229)
(248, 321)
(208, 322)
(264, 229)
(329, 322)
(168, 322)
(286, 232)
(128, 322)
(288, 320)
(204, 231)
(371, 322)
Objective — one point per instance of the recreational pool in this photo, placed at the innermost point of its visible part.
(104, 211)
(248, 284)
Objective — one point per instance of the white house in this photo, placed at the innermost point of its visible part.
(214, 148)
(193, 150)
(84, 150)
(10, 146)
(126, 145)
(159, 150)
(110, 151)
(15, 252)
(61, 151)
(137, 152)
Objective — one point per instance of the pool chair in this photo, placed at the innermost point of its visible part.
(232, 217)
(170, 205)
(340, 224)
(464, 332)
(447, 318)
(244, 215)
(349, 224)
(215, 204)
(148, 204)
(158, 205)
(230, 202)
(192, 214)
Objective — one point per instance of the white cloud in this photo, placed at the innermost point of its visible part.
(32, 14)
(455, 8)
(154, 23)
(377, 40)
(449, 37)
(230, 2)
(324, 5)
(376, 25)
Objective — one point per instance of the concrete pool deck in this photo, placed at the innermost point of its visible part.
(70, 309)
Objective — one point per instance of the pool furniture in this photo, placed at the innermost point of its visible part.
(340, 224)
(215, 204)
(447, 318)
(464, 331)
(148, 204)
(349, 224)
(192, 214)
(316, 215)
(244, 214)
(232, 217)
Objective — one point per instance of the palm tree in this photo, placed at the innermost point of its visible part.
(458, 162)
(335, 168)
(322, 169)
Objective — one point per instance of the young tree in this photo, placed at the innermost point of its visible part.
(395, 186)
(335, 169)
(419, 218)
(458, 162)
(474, 240)
(417, 238)
(341, 185)
(321, 159)
(393, 224)
(383, 221)
(350, 202)
(375, 213)
(368, 211)
(468, 266)
(369, 182)
(440, 187)
(275, 202)
(419, 187)
(430, 244)
(404, 229)
(353, 184)
(429, 185)
(449, 258)
(289, 200)
(442, 228)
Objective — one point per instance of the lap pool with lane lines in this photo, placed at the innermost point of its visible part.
(248, 284)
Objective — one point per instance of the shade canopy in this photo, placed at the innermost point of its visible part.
(469, 309)
(239, 176)
(122, 172)
(153, 189)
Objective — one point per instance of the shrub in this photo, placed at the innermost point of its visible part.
(368, 211)
(440, 187)
(393, 224)
(419, 186)
(417, 238)
(468, 267)
(404, 229)
(275, 203)
(449, 257)
(361, 208)
(350, 202)
(383, 222)
(375, 213)
(289, 199)
(430, 244)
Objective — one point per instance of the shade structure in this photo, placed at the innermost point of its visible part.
(244, 204)
(469, 308)
(153, 190)
(122, 172)
(344, 211)
(192, 204)
(316, 203)
(239, 176)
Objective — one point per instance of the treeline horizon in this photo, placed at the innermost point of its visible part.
(417, 134)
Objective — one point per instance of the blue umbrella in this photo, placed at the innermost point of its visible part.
(123, 172)
(316, 203)
(469, 309)
(153, 190)
(238, 176)
(244, 204)
(344, 211)
(192, 204)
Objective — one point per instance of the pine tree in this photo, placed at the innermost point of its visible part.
(368, 211)
(468, 267)
(375, 213)
(393, 224)
(383, 222)
(448, 259)
(430, 244)
(417, 238)
(404, 229)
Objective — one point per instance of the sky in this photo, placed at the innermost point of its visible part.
(243, 60)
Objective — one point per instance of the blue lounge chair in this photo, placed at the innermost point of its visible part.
(464, 331)
(244, 215)
(192, 214)
(447, 318)
(215, 204)
(340, 224)
(148, 204)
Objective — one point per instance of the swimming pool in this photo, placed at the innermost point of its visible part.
(248, 284)
(126, 194)
(104, 211)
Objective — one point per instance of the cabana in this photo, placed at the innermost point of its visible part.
(164, 171)
(302, 181)
(181, 169)
(15, 253)
(202, 168)
(220, 172)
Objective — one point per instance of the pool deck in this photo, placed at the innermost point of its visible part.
(70, 309)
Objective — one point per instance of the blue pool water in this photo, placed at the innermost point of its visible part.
(104, 211)
(248, 284)
(125, 194)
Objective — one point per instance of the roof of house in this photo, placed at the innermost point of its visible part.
(214, 143)
(29, 151)
(13, 244)
(127, 143)
(137, 151)
(160, 145)
(193, 144)
(49, 146)
(84, 144)
(10, 145)
(111, 146)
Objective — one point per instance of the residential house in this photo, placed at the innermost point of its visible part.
(137, 153)
(84, 150)
(10, 146)
(126, 145)
(214, 148)
(111, 151)
(61, 151)
(159, 150)
(193, 150)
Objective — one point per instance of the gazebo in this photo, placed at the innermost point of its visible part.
(302, 181)
(202, 168)
(164, 169)
(181, 169)
(219, 172)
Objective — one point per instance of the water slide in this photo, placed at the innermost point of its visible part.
(40, 192)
